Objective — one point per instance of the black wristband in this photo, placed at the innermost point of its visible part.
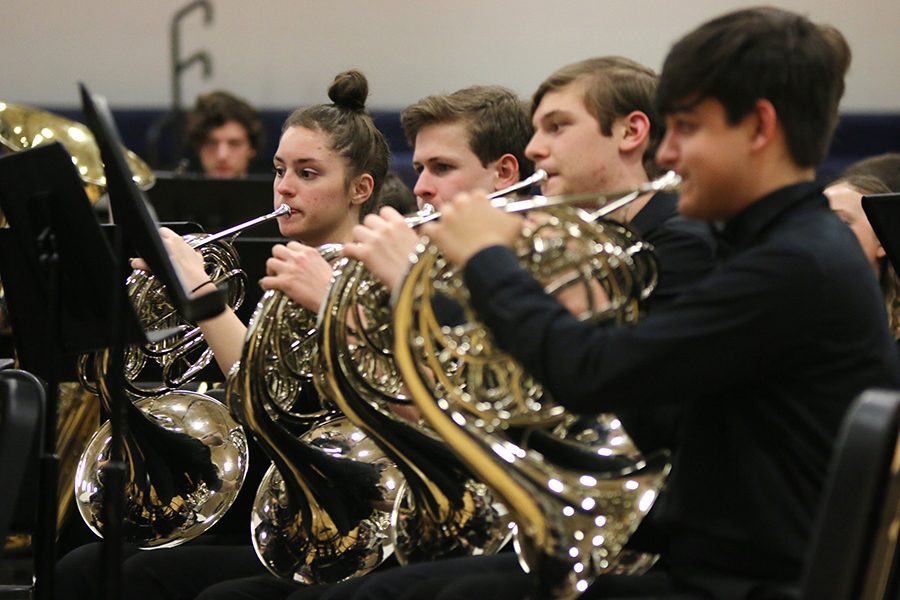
(204, 284)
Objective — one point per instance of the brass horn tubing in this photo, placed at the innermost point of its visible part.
(255, 419)
(539, 176)
(232, 232)
(611, 201)
(525, 507)
(333, 364)
(428, 213)
(525, 486)
(428, 321)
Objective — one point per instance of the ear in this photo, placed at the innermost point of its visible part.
(766, 125)
(506, 169)
(635, 131)
(361, 189)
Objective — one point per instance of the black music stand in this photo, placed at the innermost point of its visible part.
(64, 294)
(883, 212)
(135, 220)
(214, 203)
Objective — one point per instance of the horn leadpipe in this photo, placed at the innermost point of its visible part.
(234, 231)
(610, 201)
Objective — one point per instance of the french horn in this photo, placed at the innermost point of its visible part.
(186, 456)
(186, 461)
(441, 511)
(322, 511)
(575, 504)
(24, 127)
(180, 357)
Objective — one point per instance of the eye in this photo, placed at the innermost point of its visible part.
(307, 174)
(555, 127)
(441, 168)
(684, 126)
(279, 172)
(418, 168)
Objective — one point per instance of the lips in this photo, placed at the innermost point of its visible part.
(293, 212)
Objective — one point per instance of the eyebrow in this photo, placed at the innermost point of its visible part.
(433, 159)
(552, 114)
(296, 161)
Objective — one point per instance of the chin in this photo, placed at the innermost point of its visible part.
(688, 207)
(288, 231)
(553, 188)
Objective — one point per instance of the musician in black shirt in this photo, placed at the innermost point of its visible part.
(764, 355)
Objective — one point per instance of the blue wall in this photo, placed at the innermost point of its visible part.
(858, 135)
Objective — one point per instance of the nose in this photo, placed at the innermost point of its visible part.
(536, 148)
(424, 187)
(284, 186)
(222, 150)
(667, 153)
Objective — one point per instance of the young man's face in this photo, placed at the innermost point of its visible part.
(568, 144)
(226, 153)
(711, 156)
(446, 165)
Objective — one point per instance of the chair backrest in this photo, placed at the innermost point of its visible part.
(854, 547)
(22, 401)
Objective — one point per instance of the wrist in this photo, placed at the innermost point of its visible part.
(202, 285)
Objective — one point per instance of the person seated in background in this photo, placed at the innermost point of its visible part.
(845, 198)
(396, 194)
(225, 133)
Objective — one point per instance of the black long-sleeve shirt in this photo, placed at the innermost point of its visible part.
(764, 356)
(685, 248)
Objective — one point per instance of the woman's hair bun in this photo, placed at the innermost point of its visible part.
(349, 90)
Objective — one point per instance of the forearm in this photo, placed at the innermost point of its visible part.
(225, 335)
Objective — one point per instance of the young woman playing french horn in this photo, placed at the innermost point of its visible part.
(329, 166)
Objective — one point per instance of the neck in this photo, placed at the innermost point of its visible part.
(769, 175)
(628, 212)
(633, 176)
(342, 234)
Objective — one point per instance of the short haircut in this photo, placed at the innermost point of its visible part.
(763, 53)
(614, 87)
(495, 119)
(213, 110)
(352, 132)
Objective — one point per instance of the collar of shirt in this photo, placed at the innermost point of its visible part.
(659, 209)
(742, 230)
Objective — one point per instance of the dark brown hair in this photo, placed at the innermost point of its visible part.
(214, 110)
(495, 119)
(351, 129)
(614, 87)
(763, 53)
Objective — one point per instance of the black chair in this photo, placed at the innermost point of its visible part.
(22, 409)
(854, 551)
(22, 402)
